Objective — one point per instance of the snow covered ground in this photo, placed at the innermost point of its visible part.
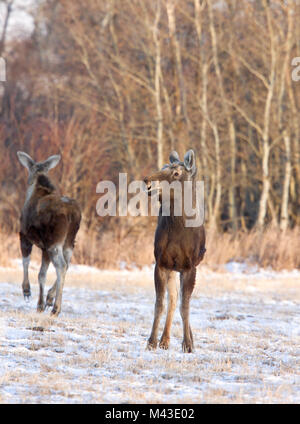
(246, 325)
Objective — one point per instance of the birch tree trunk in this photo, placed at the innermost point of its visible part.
(202, 94)
(284, 217)
(5, 24)
(170, 6)
(229, 119)
(263, 202)
(157, 74)
(216, 209)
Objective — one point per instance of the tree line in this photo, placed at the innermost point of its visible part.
(114, 86)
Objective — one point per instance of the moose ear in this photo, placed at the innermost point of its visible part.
(25, 160)
(174, 157)
(189, 161)
(51, 162)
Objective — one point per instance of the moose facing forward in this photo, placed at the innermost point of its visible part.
(177, 248)
(50, 222)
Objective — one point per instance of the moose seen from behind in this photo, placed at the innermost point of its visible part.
(50, 222)
(177, 248)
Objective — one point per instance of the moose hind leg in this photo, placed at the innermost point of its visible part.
(160, 280)
(42, 280)
(187, 283)
(172, 300)
(50, 295)
(58, 260)
(67, 251)
(26, 248)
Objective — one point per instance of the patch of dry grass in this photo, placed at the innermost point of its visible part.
(273, 248)
(270, 248)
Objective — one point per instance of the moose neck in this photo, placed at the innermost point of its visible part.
(29, 192)
(44, 183)
(40, 186)
(177, 211)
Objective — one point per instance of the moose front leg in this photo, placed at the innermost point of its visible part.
(172, 300)
(187, 284)
(160, 279)
(26, 248)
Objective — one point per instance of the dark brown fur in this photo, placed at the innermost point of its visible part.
(176, 248)
(50, 222)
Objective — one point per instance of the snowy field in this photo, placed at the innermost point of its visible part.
(246, 325)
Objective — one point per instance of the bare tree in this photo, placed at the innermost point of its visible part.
(8, 9)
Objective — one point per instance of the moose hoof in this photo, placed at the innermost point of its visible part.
(164, 344)
(27, 295)
(49, 302)
(187, 347)
(40, 308)
(151, 345)
(55, 312)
